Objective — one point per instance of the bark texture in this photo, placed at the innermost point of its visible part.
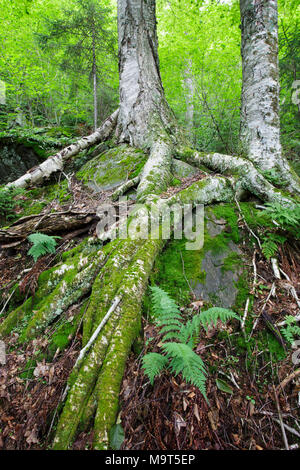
(260, 130)
(144, 111)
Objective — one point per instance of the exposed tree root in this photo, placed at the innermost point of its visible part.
(125, 187)
(120, 270)
(250, 179)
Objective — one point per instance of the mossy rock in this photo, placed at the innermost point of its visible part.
(112, 167)
(214, 273)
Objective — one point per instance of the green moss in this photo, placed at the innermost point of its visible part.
(169, 269)
(65, 332)
(112, 167)
(228, 212)
(28, 369)
(231, 262)
(242, 286)
(176, 265)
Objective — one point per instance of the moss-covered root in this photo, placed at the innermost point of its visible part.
(250, 179)
(132, 291)
(81, 385)
(157, 172)
(106, 285)
(110, 349)
(58, 288)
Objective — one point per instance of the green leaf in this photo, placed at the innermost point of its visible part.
(116, 436)
(223, 386)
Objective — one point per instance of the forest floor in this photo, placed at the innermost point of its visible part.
(246, 402)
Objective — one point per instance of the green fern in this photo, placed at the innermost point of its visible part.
(274, 177)
(42, 244)
(178, 354)
(185, 361)
(287, 218)
(291, 330)
(154, 363)
(270, 244)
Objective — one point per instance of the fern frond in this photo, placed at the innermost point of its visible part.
(163, 305)
(291, 330)
(42, 244)
(166, 312)
(153, 364)
(185, 361)
(211, 316)
(270, 244)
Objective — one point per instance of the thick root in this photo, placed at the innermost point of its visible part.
(250, 179)
(116, 338)
(157, 172)
(59, 288)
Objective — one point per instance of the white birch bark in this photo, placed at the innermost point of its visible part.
(260, 129)
(144, 111)
(189, 86)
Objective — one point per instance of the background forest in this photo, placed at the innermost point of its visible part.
(46, 62)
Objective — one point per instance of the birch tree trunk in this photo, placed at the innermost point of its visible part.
(260, 129)
(144, 111)
(95, 82)
(189, 99)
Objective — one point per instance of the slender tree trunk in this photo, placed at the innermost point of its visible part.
(260, 129)
(189, 99)
(95, 84)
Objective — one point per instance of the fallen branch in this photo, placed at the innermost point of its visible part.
(288, 379)
(97, 331)
(40, 173)
(125, 187)
(286, 444)
(48, 223)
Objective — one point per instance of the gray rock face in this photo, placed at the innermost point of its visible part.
(219, 286)
(183, 170)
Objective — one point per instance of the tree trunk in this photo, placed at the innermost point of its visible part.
(95, 83)
(144, 111)
(260, 127)
(189, 99)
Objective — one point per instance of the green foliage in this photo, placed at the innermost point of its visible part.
(178, 354)
(42, 244)
(287, 218)
(38, 92)
(116, 436)
(7, 201)
(270, 244)
(291, 330)
(154, 363)
(274, 177)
